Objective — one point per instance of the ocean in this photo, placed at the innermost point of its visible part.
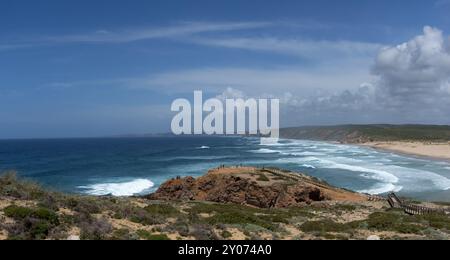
(133, 166)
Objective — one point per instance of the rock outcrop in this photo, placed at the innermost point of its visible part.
(261, 188)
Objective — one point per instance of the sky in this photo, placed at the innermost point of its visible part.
(108, 67)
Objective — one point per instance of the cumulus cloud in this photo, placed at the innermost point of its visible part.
(411, 85)
(415, 71)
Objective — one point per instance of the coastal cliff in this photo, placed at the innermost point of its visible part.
(263, 188)
(227, 203)
(369, 133)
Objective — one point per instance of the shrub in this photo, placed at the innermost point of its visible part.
(238, 214)
(226, 234)
(31, 223)
(86, 205)
(180, 226)
(123, 234)
(39, 229)
(20, 213)
(97, 229)
(143, 234)
(17, 212)
(394, 221)
(141, 216)
(202, 232)
(324, 226)
(262, 177)
(10, 186)
(437, 221)
(46, 214)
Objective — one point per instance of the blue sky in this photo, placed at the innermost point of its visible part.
(96, 68)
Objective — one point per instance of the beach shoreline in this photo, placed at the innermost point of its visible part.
(435, 150)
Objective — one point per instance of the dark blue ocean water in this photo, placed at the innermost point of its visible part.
(127, 166)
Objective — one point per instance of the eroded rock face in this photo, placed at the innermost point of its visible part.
(225, 188)
(176, 189)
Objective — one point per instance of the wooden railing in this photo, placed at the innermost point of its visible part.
(396, 202)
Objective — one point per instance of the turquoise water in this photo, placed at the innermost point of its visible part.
(127, 166)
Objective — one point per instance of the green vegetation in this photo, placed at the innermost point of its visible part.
(17, 212)
(394, 221)
(365, 133)
(324, 226)
(162, 209)
(29, 212)
(148, 236)
(226, 234)
(32, 223)
(391, 220)
(20, 213)
(262, 177)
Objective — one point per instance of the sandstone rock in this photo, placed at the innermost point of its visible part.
(240, 187)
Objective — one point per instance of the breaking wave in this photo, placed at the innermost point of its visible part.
(121, 189)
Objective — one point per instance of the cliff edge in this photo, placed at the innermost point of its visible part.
(258, 187)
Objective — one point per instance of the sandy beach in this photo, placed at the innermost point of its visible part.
(433, 150)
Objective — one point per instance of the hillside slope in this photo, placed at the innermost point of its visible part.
(29, 212)
(369, 133)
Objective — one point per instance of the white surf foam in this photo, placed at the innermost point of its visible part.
(390, 172)
(420, 180)
(308, 166)
(376, 174)
(380, 175)
(204, 147)
(304, 154)
(382, 188)
(122, 189)
(263, 150)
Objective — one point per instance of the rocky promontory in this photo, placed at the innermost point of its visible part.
(258, 187)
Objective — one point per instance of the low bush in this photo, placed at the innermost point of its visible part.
(162, 209)
(262, 177)
(97, 229)
(394, 221)
(143, 234)
(226, 234)
(20, 213)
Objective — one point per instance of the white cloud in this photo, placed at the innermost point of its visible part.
(9, 47)
(231, 93)
(414, 71)
(412, 86)
(297, 80)
(126, 36)
(297, 47)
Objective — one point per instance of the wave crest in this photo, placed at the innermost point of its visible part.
(122, 189)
